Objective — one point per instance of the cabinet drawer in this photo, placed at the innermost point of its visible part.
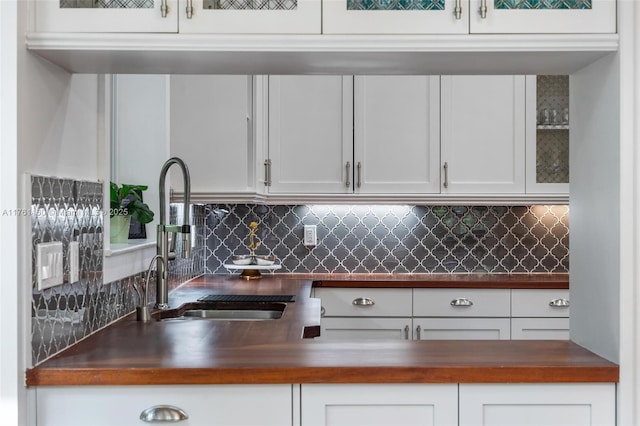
(540, 328)
(461, 302)
(539, 303)
(205, 405)
(365, 302)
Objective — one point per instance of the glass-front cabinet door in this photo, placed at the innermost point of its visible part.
(547, 134)
(543, 16)
(251, 17)
(395, 17)
(122, 16)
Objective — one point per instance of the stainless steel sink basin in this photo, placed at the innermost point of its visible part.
(232, 314)
(224, 311)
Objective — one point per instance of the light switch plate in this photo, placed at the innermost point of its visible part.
(49, 268)
(310, 235)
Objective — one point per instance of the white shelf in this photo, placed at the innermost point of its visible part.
(321, 54)
(552, 127)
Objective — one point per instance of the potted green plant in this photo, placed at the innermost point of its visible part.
(126, 204)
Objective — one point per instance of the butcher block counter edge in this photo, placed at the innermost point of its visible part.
(470, 280)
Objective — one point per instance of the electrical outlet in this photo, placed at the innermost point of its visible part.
(310, 235)
(49, 269)
(73, 257)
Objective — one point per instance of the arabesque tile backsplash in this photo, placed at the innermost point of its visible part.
(396, 239)
(351, 239)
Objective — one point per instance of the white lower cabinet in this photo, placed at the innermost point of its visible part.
(539, 314)
(444, 314)
(461, 313)
(211, 405)
(379, 405)
(570, 404)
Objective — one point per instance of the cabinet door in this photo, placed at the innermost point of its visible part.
(547, 134)
(311, 134)
(205, 405)
(543, 16)
(211, 131)
(575, 404)
(379, 405)
(384, 17)
(134, 16)
(252, 17)
(540, 328)
(461, 329)
(397, 134)
(483, 134)
(348, 329)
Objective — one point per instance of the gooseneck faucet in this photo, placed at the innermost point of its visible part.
(164, 229)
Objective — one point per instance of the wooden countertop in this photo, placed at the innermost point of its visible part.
(273, 351)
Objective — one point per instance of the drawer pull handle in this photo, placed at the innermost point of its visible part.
(363, 301)
(322, 311)
(559, 303)
(418, 333)
(406, 332)
(463, 301)
(163, 413)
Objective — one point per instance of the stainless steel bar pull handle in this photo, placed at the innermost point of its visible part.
(457, 10)
(406, 332)
(559, 303)
(163, 413)
(446, 175)
(164, 9)
(359, 174)
(418, 332)
(483, 9)
(189, 9)
(363, 301)
(463, 301)
(267, 172)
(348, 180)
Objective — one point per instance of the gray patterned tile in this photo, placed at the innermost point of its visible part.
(68, 210)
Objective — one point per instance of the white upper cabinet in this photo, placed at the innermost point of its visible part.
(252, 17)
(327, 16)
(310, 134)
(383, 17)
(184, 16)
(396, 134)
(107, 16)
(328, 137)
(483, 134)
(548, 129)
(211, 130)
(468, 16)
(542, 16)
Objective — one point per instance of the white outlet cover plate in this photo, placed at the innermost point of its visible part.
(310, 235)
